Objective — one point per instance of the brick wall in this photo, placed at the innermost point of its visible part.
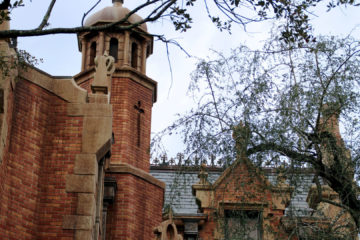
(43, 141)
(137, 209)
(125, 94)
(243, 188)
(62, 143)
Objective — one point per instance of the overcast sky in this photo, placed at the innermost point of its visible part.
(61, 56)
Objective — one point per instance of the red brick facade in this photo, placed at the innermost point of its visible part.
(62, 142)
(43, 142)
(242, 188)
(135, 211)
(125, 95)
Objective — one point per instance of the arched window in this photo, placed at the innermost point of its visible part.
(92, 53)
(114, 46)
(134, 55)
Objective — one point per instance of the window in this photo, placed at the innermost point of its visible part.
(190, 237)
(170, 233)
(134, 55)
(92, 53)
(114, 46)
(242, 224)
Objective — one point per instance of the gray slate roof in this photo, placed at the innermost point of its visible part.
(178, 192)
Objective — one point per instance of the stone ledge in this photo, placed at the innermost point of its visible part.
(126, 168)
(77, 222)
(89, 109)
(64, 87)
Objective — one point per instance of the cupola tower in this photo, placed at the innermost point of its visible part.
(131, 92)
(136, 209)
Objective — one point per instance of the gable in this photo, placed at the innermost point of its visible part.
(242, 182)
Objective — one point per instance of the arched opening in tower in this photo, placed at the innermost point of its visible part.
(114, 46)
(134, 55)
(92, 53)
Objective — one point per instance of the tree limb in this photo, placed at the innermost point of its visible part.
(110, 26)
(284, 151)
(45, 20)
(85, 14)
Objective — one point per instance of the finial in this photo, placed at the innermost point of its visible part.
(281, 177)
(117, 2)
(203, 175)
(241, 135)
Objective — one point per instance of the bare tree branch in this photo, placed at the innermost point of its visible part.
(85, 14)
(45, 20)
(110, 26)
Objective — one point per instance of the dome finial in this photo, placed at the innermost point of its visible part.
(117, 1)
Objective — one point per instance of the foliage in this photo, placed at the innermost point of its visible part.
(22, 60)
(288, 97)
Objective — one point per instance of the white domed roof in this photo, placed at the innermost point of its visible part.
(114, 14)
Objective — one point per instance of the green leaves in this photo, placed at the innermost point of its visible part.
(180, 18)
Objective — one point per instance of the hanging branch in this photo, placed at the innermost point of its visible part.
(85, 14)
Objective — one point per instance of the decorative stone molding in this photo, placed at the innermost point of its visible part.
(87, 178)
(167, 230)
(80, 183)
(64, 87)
(281, 196)
(77, 222)
(203, 189)
(105, 67)
(86, 164)
(126, 168)
(138, 77)
(8, 75)
(281, 192)
(313, 198)
(86, 204)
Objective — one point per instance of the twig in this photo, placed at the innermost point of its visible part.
(45, 20)
(85, 14)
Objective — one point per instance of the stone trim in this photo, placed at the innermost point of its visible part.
(77, 222)
(85, 164)
(124, 168)
(83, 234)
(256, 172)
(84, 76)
(80, 183)
(258, 206)
(138, 77)
(85, 204)
(103, 150)
(89, 109)
(64, 87)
